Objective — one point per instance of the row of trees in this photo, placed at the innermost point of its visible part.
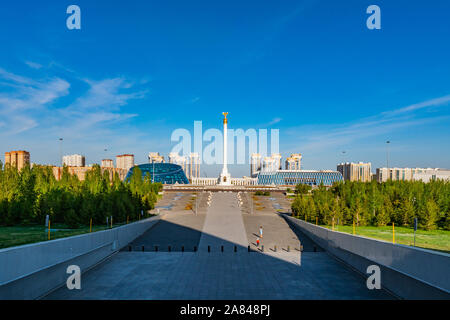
(377, 204)
(28, 195)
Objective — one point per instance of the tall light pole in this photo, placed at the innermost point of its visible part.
(387, 158)
(60, 151)
(344, 167)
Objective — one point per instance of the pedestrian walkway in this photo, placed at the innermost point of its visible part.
(223, 224)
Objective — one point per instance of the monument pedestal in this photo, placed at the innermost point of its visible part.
(225, 179)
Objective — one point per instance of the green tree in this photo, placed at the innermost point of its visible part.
(431, 215)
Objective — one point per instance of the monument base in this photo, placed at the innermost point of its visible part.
(225, 179)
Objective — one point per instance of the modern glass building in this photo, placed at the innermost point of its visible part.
(294, 177)
(167, 173)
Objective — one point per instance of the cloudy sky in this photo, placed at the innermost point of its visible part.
(138, 70)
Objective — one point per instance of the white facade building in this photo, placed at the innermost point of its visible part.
(155, 157)
(244, 181)
(193, 167)
(255, 164)
(429, 174)
(409, 174)
(271, 164)
(125, 161)
(294, 161)
(277, 161)
(74, 160)
(356, 171)
(175, 158)
(107, 163)
(267, 165)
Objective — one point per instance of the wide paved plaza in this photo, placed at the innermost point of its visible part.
(280, 271)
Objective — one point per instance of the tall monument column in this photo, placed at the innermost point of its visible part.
(225, 178)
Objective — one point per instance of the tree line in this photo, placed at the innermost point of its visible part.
(28, 195)
(376, 204)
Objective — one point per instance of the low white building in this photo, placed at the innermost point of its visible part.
(432, 174)
(244, 181)
(411, 174)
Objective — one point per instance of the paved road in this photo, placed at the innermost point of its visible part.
(217, 275)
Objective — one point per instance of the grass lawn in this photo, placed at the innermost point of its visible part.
(19, 235)
(435, 239)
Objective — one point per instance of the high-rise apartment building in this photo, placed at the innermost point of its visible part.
(272, 163)
(175, 158)
(155, 157)
(294, 162)
(356, 171)
(277, 161)
(18, 159)
(125, 161)
(268, 164)
(74, 160)
(255, 164)
(193, 166)
(107, 163)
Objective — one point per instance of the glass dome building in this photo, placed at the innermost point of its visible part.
(166, 173)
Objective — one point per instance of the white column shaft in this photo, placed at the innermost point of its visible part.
(225, 147)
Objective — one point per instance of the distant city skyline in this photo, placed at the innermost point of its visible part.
(136, 72)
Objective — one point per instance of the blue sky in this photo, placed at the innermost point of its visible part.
(137, 70)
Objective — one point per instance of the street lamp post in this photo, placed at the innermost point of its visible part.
(60, 151)
(387, 158)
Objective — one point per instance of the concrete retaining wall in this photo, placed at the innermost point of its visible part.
(408, 272)
(30, 271)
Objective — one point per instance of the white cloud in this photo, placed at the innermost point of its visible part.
(194, 100)
(107, 93)
(445, 100)
(319, 138)
(274, 121)
(23, 99)
(34, 107)
(33, 65)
